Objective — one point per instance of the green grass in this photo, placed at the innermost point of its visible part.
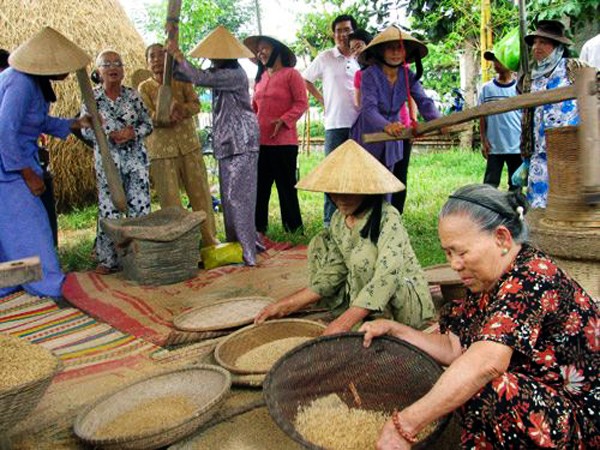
(431, 178)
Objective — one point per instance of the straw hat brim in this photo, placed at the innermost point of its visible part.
(252, 43)
(553, 37)
(220, 44)
(48, 53)
(414, 47)
(350, 169)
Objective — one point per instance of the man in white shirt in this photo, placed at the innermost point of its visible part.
(335, 67)
(590, 52)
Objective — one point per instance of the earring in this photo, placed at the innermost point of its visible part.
(504, 251)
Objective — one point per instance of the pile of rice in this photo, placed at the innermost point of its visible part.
(262, 358)
(22, 362)
(328, 422)
(152, 415)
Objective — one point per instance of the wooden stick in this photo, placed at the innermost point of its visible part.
(165, 93)
(589, 133)
(519, 102)
(20, 271)
(113, 178)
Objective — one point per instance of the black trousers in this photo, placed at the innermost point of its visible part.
(495, 164)
(401, 172)
(277, 163)
(47, 199)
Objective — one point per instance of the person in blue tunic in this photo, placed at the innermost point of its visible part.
(25, 97)
(387, 85)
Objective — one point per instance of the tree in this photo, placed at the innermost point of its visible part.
(579, 12)
(200, 17)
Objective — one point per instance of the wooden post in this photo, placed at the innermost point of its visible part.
(164, 97)
(20, 271)
(519, 102)
(589, 133)
(113, 178)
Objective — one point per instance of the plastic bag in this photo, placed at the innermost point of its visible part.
(222, 254)
(519, 178)
(508, 50)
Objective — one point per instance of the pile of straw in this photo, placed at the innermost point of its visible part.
(94, 25)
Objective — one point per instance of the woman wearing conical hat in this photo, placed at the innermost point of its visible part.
(25, 96)
(235, 130)
(363, 265)
(387, 85)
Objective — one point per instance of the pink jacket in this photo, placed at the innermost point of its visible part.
(281, 95)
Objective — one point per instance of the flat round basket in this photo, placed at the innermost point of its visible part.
(390, 374)
(156, 411)
(230, 313)
(239, 344)
(18, 401)
(451, 285)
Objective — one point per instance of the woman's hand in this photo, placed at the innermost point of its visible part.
(172, 48)
(389, 439)
(272, 311)
(375, 329)
(34, 182)
(84, 121)
(394, 128)
(123, 135)
(177, 112)
(335, 327)
(277, 124)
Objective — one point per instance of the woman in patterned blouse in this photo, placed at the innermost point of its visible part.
(363, 264)
(522, 349)
(126, 123)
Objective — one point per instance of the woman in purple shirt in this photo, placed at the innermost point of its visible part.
(386, 86)
(25, 96)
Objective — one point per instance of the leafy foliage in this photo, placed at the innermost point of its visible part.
(200, 17)
(577, 11)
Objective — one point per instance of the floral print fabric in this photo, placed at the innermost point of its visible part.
(553, 115)
(349, 270)
(550, 395)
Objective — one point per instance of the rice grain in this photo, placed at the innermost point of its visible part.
(22, 362)
(263, 357)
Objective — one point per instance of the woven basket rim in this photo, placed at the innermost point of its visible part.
(250, 329)
(291, 431)
(223, 326)
(58, 366)
(149, 435)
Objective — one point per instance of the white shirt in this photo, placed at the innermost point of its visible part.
(590, 52)
(337, 73)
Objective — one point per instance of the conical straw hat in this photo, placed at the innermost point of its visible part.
(252, 43)
(413, 46)
(48, 53)
(220, 44)
(350, 169)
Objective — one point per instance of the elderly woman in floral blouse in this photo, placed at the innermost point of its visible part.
(363, 265)
(523, 347)
(126, 124)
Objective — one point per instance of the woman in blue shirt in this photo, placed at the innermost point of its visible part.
(25, 96)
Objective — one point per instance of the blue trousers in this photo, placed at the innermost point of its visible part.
(24, 232)
(333, 139)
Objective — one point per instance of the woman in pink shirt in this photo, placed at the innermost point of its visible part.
(279, 101)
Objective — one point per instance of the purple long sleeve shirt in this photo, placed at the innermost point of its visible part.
(381, 103)
(23, 117)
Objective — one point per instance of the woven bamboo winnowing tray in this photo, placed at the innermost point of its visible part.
(225, 314)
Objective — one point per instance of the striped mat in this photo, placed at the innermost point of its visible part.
(80, 341)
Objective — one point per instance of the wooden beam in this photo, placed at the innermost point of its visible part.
(530, 100)
(20, 271)
(589, 133)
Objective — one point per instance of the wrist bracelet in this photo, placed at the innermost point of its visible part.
(401, 431)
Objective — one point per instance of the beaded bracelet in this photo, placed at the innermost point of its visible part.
(401, 431)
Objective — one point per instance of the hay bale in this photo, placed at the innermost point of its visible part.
(94, 25)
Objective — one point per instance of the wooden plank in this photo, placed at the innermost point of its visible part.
(20, 271)
(519, 102)
(589, 133)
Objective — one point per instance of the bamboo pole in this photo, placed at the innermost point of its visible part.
(589, 133)
(519, 102)
(113, 178)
